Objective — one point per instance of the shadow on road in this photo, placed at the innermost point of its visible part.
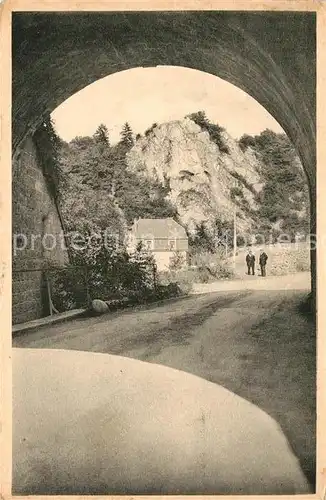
(259, 344)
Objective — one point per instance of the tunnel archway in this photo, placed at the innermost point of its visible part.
(65, 52)
(271, 56)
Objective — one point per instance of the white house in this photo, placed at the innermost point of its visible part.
(163, 238)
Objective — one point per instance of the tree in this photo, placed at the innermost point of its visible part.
(283, 179)
(82, 142)
(110, 190)
(214, 130)
(246, 141)
(202, 240)
(101, 135)
(177, 261)
(127, 136)
(199, 118)
(150, 129)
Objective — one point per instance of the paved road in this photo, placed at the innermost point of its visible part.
(193, 334)
(251, 341)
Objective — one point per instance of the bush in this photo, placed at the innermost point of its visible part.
(211, 267)
(180, 281)
(113, 276)
(289, 259)
(306, 307)
(106, 273)
(185, 281)
(222, 270)
(243, 181)
(246, 141)
(150, 129)
(68, 287)
(177, 261)
(170, 290)
(206, 267)
(236, 191)
(214, 130)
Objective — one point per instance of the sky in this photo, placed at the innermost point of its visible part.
(143, 96)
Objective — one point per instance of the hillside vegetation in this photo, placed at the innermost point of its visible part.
(188, 169)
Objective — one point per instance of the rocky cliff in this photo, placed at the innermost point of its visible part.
(205, 183)
(191, 169)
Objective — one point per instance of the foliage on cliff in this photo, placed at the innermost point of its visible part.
(283, 200)
(173, 171)
(213, 129)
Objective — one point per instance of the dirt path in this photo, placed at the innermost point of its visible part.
(252, 341)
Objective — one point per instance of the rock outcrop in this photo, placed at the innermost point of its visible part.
(203, 180)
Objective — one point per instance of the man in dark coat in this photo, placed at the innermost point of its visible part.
(262, 262)
(250, 259)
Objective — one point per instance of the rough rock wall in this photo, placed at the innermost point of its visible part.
(199, 175)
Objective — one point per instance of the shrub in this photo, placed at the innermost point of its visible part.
(236, 191)
(214, 130)
(246, 141)
(48, 143)
(179, 280)
(177, 261)
(114, 276)
(150, 129)
(107, 273)
(68, 287)
(170, 290)
(207, 267)
(289, 259)
(306, 307)
(222, 270)
(184, 281)
(243, 180)
(211, 266)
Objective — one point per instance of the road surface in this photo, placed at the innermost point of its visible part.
(253, 342)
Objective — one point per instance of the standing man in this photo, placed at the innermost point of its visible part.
(262, 262)
(250, 259)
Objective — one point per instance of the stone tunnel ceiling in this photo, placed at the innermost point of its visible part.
(271, 56)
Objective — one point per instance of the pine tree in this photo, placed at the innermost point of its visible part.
(127, 136)
(101, 135)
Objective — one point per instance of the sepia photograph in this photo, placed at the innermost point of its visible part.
(164, 278)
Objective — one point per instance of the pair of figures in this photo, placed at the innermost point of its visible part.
(251, 259)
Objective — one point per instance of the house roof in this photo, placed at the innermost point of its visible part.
(158, 228)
